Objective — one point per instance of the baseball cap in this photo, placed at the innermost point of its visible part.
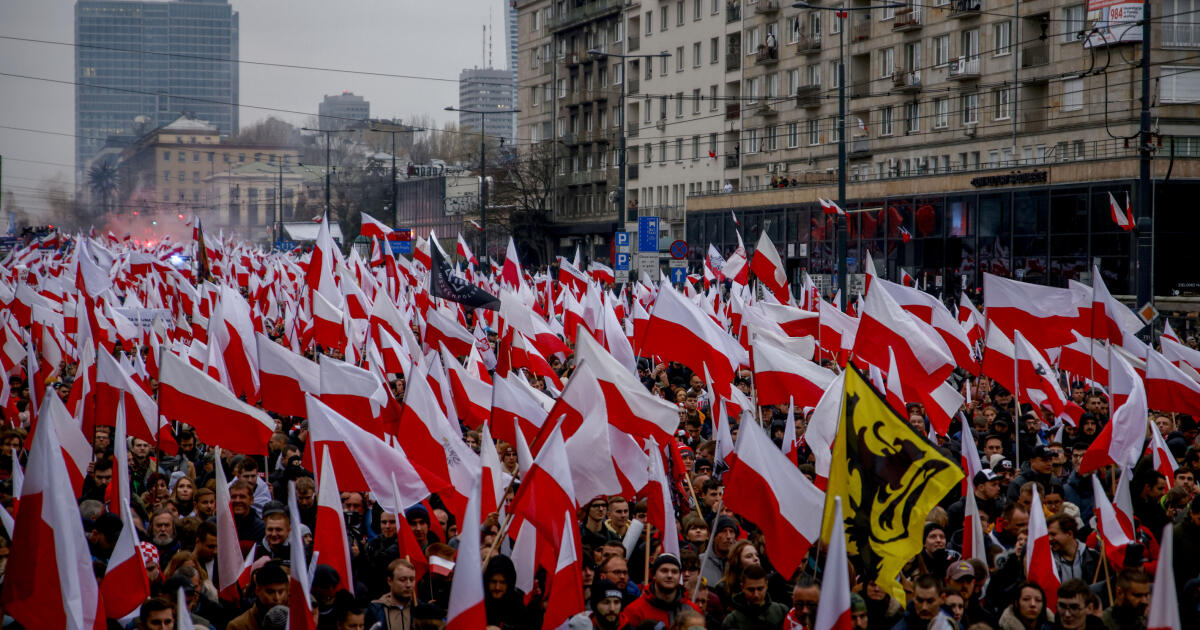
(1005, 465)
(984, 476)
(274, 507)
(959, 570)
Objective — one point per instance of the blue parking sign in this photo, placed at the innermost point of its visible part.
(622, 239)
(622, 259)
(647, 234)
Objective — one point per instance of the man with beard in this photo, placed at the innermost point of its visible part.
(270, 590)
(1130, 601)
(162, 534)
(663, 598)
(140, 465)
(206, 546)
(95, 485)
(606, 605)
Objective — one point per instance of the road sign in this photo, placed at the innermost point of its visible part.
(678, 275)
(622, 239)
(284, 245)
(679, 250)
(622, 262)
(647, 234)
(1147, 312)
(401, 247)
(648, 263)
(622, 276)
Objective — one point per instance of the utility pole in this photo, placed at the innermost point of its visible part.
(483, 188)
(395, 175)
(1145, 229)
(328, 152)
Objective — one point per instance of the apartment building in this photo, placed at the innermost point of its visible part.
(676, 106)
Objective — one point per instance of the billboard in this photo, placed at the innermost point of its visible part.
(1114, 22)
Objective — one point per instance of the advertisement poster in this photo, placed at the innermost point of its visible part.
(1115, 22)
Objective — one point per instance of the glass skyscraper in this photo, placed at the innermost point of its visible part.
(143, 64)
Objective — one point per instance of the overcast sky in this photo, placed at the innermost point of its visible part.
(426, 38)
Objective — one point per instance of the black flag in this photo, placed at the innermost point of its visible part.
(444, 283)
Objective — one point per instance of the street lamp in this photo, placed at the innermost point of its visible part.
(328, 145)
(483, 201)
(395, 180)
(599, 54)
(842, 12)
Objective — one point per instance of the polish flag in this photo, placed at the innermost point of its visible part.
(1046, 314)
(1111, 320)
(234, 338)
(466, 609)
(906, 279)
(372, 227)
(510, 274)
(564, 589)
(660, 512)
(518, 352)
(601, 273)
(321, 276)
(571, 277)
(495, 480)
(1164, 603)
(115, 387)
(1115, 527)
(546, 496)
(441, 328)
(837, 332)
(769, 269)
(1039, 561)
(828, 206)
(833, 608)
(1038, 381)
(1120, 441)
(190, 396)
(920, 351)
(930, 310)
(780, 376)
(970, 319)
(793, 321)
(1168, 388)
(329, 539)
(285, 377)
(472, 396)
(126, 584)
(1178, 354)
(822, 430)
(905, 236)
(233, 570)
(1164, 462)
(629, 408)
(356, 394)
(464, 250)
(679, 331)
(50, 583)
(1168, 332)
(1085, 358)
(517, 408)
(433, 445)
(362, 461)
(327, 317)
(974, 545)
(1122, 217)
(300, 611)
(788, 448)
(771, 492)
(894, 389)
(76, 449)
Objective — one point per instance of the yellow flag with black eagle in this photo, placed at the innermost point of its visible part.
(889, 477)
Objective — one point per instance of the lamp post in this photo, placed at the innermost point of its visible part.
(395, 176)
(328, 147)
(483, 191)
(599, 54)
(842, 12)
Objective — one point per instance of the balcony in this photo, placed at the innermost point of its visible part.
(1035, 55)
(733, 61)
(570, 139)
(907, 82)
(808, 44)
(765, 109)
(907, 19)
(808, 96)
(631, 129)
(733, 12)
(631, 171)
(633, 87)
(1034, 121)
(766, 7)
(766, 56)
(965, 8)
(733, 111)
(634, 43)
(574, 57)
(589, 11)
(964, 69)
(859, 148)
(861, 31)
(731, 161)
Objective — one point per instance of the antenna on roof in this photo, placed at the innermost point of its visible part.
(489, 39)
(483, 47)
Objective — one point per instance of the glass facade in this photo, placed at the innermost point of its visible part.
(1045, 235)
(152, 59)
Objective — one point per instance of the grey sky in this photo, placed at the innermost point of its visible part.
(426, 38)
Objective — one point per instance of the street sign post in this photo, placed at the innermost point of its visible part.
(622, 276)
(622, 262)
(648, 234)
(621, 239)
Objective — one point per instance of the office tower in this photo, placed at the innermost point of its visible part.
(487, 90)
(339, 111)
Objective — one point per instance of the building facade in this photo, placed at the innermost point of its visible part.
(182, 168)
(511, 24)
(254, 199)
(489, 90)
(155, 60)
(342, 111)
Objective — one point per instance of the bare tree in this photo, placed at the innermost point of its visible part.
(523, 193)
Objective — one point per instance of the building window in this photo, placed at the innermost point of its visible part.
(885, 121)
(1003, 108)
(773, 85)
(970, 44)
(664, 18)
(1181, 26)
(182, 177)
(195, 156)
(912, 117)
(752, 90)
(793, 84)
(712, 98)
(1073, 23)
(166, 176)
(1178, 84)
(696, 101)
(697, 9)
(835, 77)
(679, 59)
(166, 156)
(649, 22)
(195, 177)
(1003, 34)
(793, 133)
(836, 136)
(649, 154)
(941, 113)
(712, 144)
(697, 55)
(751, 141)
(679, 104)
(941, 50)
(714, 46)
(970, 108)
(813, 129)
(835, 26)
(887, 62)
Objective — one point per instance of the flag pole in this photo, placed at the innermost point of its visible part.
(499, 538)
(646, 554)
(1017, 416)
(707, 548)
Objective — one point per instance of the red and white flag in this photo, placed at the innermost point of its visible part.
(49, 584)
(768, 268)
(372, 227)
(464, 250)
(126, 584)
(1039, 560)
(1160, 456)
(1120, 441)
(833, 608)
(329, 539)
(1168, 388)
(660, 512)
(780, 376)
(564, 589)
(190, 396)
(630, 409)
(1046, 315)
(828, 206)
(1164, 602)
(1123, 217)
(679, 331)
(466, 609)
(1113, 526)
(920, 351)
(974, 545)
(285, 377)
(300, 604)
(771, 492)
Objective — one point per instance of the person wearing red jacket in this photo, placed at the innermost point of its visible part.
(664, 599)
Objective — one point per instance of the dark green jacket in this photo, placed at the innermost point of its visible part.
(767, 616)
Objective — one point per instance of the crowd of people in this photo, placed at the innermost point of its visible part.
(721, 579)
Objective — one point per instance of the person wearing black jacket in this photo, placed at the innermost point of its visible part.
(1041, 470)
(503, 601)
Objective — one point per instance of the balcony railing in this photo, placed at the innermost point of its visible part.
(907, 81)
(765, 109)
(965, 8)
(733, 111)
(733, 61)
(964, 68)
(634, 43)
(808, 96)
(861, 31)
(907, 19)
(631, 129)
(766, 55)
(1035, 55)
(1034, 121)
(766, 7)
(731, 161)
(808, 44)
(859, 148)
(733, 12)
(589, 11)
(633, 87)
